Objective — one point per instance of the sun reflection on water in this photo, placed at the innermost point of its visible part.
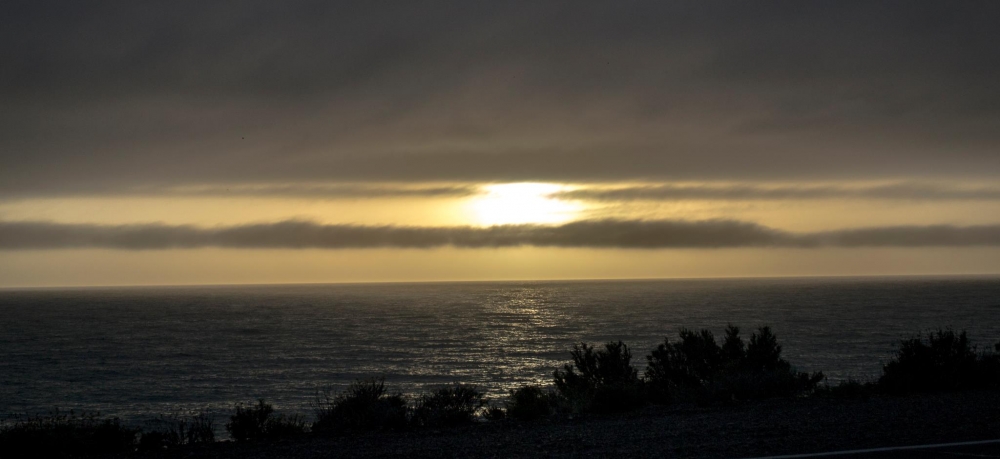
(518, 322)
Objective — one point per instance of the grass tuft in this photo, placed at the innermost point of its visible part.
(258, 421)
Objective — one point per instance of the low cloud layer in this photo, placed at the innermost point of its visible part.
(899, 191)
(290, 190)
(627, 234)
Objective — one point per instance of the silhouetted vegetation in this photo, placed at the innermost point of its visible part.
(449, 406)
(259, 421)
(494, 413)
(850, 389)
(364, 405)
(944, 362)
(61, 434)
(601, 381)
(172, 432)
(530, 402)
(697, 369)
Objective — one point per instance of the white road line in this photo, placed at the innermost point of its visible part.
(878, 450)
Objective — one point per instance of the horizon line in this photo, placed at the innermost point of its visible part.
(506, 280)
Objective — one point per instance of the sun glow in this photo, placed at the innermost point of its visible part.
(518, 203)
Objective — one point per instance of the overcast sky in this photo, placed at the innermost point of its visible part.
(116, 94)
(697, 114)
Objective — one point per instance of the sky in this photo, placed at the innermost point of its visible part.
(264, 142)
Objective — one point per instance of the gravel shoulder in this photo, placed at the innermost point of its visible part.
(772, 427)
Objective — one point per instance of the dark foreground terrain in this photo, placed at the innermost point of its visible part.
(775, 427)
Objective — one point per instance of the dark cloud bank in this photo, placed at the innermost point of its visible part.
(111, 95)
(626, 234)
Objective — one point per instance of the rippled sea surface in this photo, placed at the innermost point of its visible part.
(139, 352)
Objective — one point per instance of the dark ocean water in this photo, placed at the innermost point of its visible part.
(139, 352)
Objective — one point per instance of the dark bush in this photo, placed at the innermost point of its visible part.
(528, 403)
(733, 349)
(249, 422)
(602, 381)
(697, 369)
(449, 406)
(850, 388)
(730, 387)
(494, 413)
(61, 434)
(676, 368)
(258, 421)
(764, 352)
(200, 429)
(365, 405)
(945, 362)
(169, 432)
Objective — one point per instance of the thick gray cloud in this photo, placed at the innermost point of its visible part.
(900, 191)
(629, 234)
(112, 96)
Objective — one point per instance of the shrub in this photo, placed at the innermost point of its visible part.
(528, 403)
(675, 367)
(601, 381)
(171, 432)
(200, 429)
(945, 362)
(61, 434)
(755, 385)
(850, 388)
(696, 368)
(764, 352)
(365, 405)
(733, 349)
(258, 421)
(494, 413)
(449, 406)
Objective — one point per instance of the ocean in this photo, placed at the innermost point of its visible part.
(139, 352)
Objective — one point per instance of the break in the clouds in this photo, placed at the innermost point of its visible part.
(115, 96)
(895, 191)
(628, 234)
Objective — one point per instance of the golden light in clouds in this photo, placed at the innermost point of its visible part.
(519, 203)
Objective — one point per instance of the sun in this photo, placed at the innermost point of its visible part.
(518, 203)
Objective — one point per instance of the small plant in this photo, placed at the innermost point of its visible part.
(258, 421)
(365, 405)
(249, 422)
(66, 434)
(945, 362)
(449, 406)
(200, 429)
(601, 381)
(494, 413)
(169, 432)
(850, 388)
